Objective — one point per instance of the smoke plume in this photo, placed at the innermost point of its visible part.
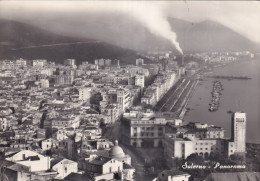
(241, 17)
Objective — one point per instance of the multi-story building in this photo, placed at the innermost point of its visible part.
(64, 79)
(39, 63)
(120, 96)
(84, 93)
(205, 140)
(4, 123)
(139, 80)
(139, 61)
(69, 62)
(143, 132)
(45, 83)
(237, 143)
(163, 82)
(111, 112)
(13, 64)
(172, 175)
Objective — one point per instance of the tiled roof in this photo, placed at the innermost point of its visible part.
(235, 176)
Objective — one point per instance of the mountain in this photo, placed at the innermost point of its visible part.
(20, 40)
(209, 36)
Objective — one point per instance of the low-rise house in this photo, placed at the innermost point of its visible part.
(102, 167)
(34, 161)
(172, 175)
(234, 176)
(50, 143)
(63, 167)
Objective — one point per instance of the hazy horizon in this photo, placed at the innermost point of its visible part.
(105, 21)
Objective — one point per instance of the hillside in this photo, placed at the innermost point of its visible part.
(20, 40)
(209, 36)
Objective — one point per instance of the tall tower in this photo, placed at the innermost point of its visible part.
(238, 132)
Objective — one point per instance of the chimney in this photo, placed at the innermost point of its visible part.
(182, 59)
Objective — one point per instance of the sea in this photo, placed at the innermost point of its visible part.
(238, 95)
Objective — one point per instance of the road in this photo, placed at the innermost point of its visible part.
(58, 44)
(138, 164)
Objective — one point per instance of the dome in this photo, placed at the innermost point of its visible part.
(116, 151)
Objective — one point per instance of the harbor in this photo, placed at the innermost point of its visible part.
(238, 94)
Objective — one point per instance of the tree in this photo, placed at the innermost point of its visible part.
(237, 158)
(3, 176)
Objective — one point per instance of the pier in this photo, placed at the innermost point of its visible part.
(230, 77)
(216, 92)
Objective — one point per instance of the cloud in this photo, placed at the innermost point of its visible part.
(241, 17)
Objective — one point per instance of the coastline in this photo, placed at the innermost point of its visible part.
(231, 100)
(202, 75)
(186, 100)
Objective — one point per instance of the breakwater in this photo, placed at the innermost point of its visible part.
(230, 77)
(216, 92)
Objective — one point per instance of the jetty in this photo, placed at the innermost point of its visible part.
(216, 92)
(230, 77)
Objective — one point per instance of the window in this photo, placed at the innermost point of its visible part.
(200, 148)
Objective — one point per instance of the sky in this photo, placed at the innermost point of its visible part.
(242, 17)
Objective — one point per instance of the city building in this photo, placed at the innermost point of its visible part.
(34, 161)
(204, 140)
(139, 61)
(172, 175)
(235, 176)
(116, 152)
(39, 63)
(237, 143)
(85, 93)
(101, 167)
(64, 79)
(63, 167)
(143, 132)
(69, 62)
